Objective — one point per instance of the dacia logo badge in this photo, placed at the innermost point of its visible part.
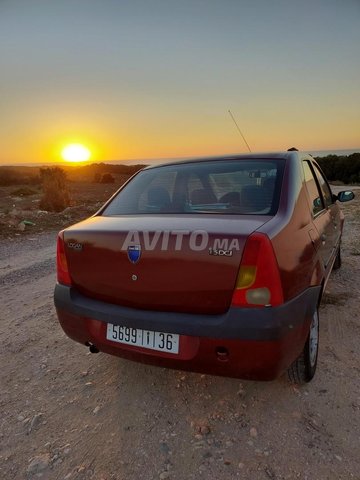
(134, 253)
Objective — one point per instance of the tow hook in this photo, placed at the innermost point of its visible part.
(92, 347)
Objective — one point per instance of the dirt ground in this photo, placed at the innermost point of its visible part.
(69, 415)
(21, 203)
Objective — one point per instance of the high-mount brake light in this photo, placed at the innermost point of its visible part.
(63, 274)
(258, 282)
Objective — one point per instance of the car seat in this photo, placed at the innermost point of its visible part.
(202, 196)
(158, 198)
(254, 198)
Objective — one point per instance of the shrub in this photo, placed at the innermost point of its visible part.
(56, 195)
(97, 178)
(341, 168)
(17, 176)
(23, 192)
(8, 177)
(107, 178)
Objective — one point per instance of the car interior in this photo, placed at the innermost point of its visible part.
(249, 190)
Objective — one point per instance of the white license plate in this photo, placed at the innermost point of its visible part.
(163, 342)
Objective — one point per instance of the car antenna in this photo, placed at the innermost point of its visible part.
(237, 126)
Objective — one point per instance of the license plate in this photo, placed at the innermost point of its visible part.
(163, 342)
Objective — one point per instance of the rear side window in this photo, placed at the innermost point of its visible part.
(313, 190)
(221, 186)
(324, 186)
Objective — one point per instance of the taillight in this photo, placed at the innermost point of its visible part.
(63, 274)
(258, 282)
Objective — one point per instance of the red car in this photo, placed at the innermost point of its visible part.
(213, 265)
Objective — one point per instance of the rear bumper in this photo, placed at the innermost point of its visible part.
(261, 342)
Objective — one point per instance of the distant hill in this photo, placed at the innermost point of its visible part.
(20, 175)
(88, 172)
(343, 168)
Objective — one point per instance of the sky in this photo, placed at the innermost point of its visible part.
(144, 79)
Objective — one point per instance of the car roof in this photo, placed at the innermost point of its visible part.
(285, 155)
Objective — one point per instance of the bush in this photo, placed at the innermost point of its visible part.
(56, 195)
(17, 176)
(23, 192)
(107, 178)
(341, 168)
(8, 177)
(97, 178)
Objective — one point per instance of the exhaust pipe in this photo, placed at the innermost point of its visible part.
(93, 348)
(222, 354)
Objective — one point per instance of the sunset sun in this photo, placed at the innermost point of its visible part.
(75, 152)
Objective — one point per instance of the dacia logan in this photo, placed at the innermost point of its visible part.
(213, 265)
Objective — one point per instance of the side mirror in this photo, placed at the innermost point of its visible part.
(317, 203)
(345, 196)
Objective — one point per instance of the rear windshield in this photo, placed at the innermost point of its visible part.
(243, 187)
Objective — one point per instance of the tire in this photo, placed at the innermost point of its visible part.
(337, 263)
(304, 367)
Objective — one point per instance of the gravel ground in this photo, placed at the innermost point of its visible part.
(68, 414)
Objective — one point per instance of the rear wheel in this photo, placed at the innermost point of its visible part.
(337, 263)
(304, 367)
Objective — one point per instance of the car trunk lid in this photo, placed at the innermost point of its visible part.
(191, 265)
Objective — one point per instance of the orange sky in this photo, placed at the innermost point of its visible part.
(130, 83)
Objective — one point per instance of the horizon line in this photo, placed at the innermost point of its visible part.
(140, 161)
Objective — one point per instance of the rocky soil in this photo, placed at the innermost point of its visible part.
(20, 214)
(69, 415)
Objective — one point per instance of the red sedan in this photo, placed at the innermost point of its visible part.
(213, 265)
